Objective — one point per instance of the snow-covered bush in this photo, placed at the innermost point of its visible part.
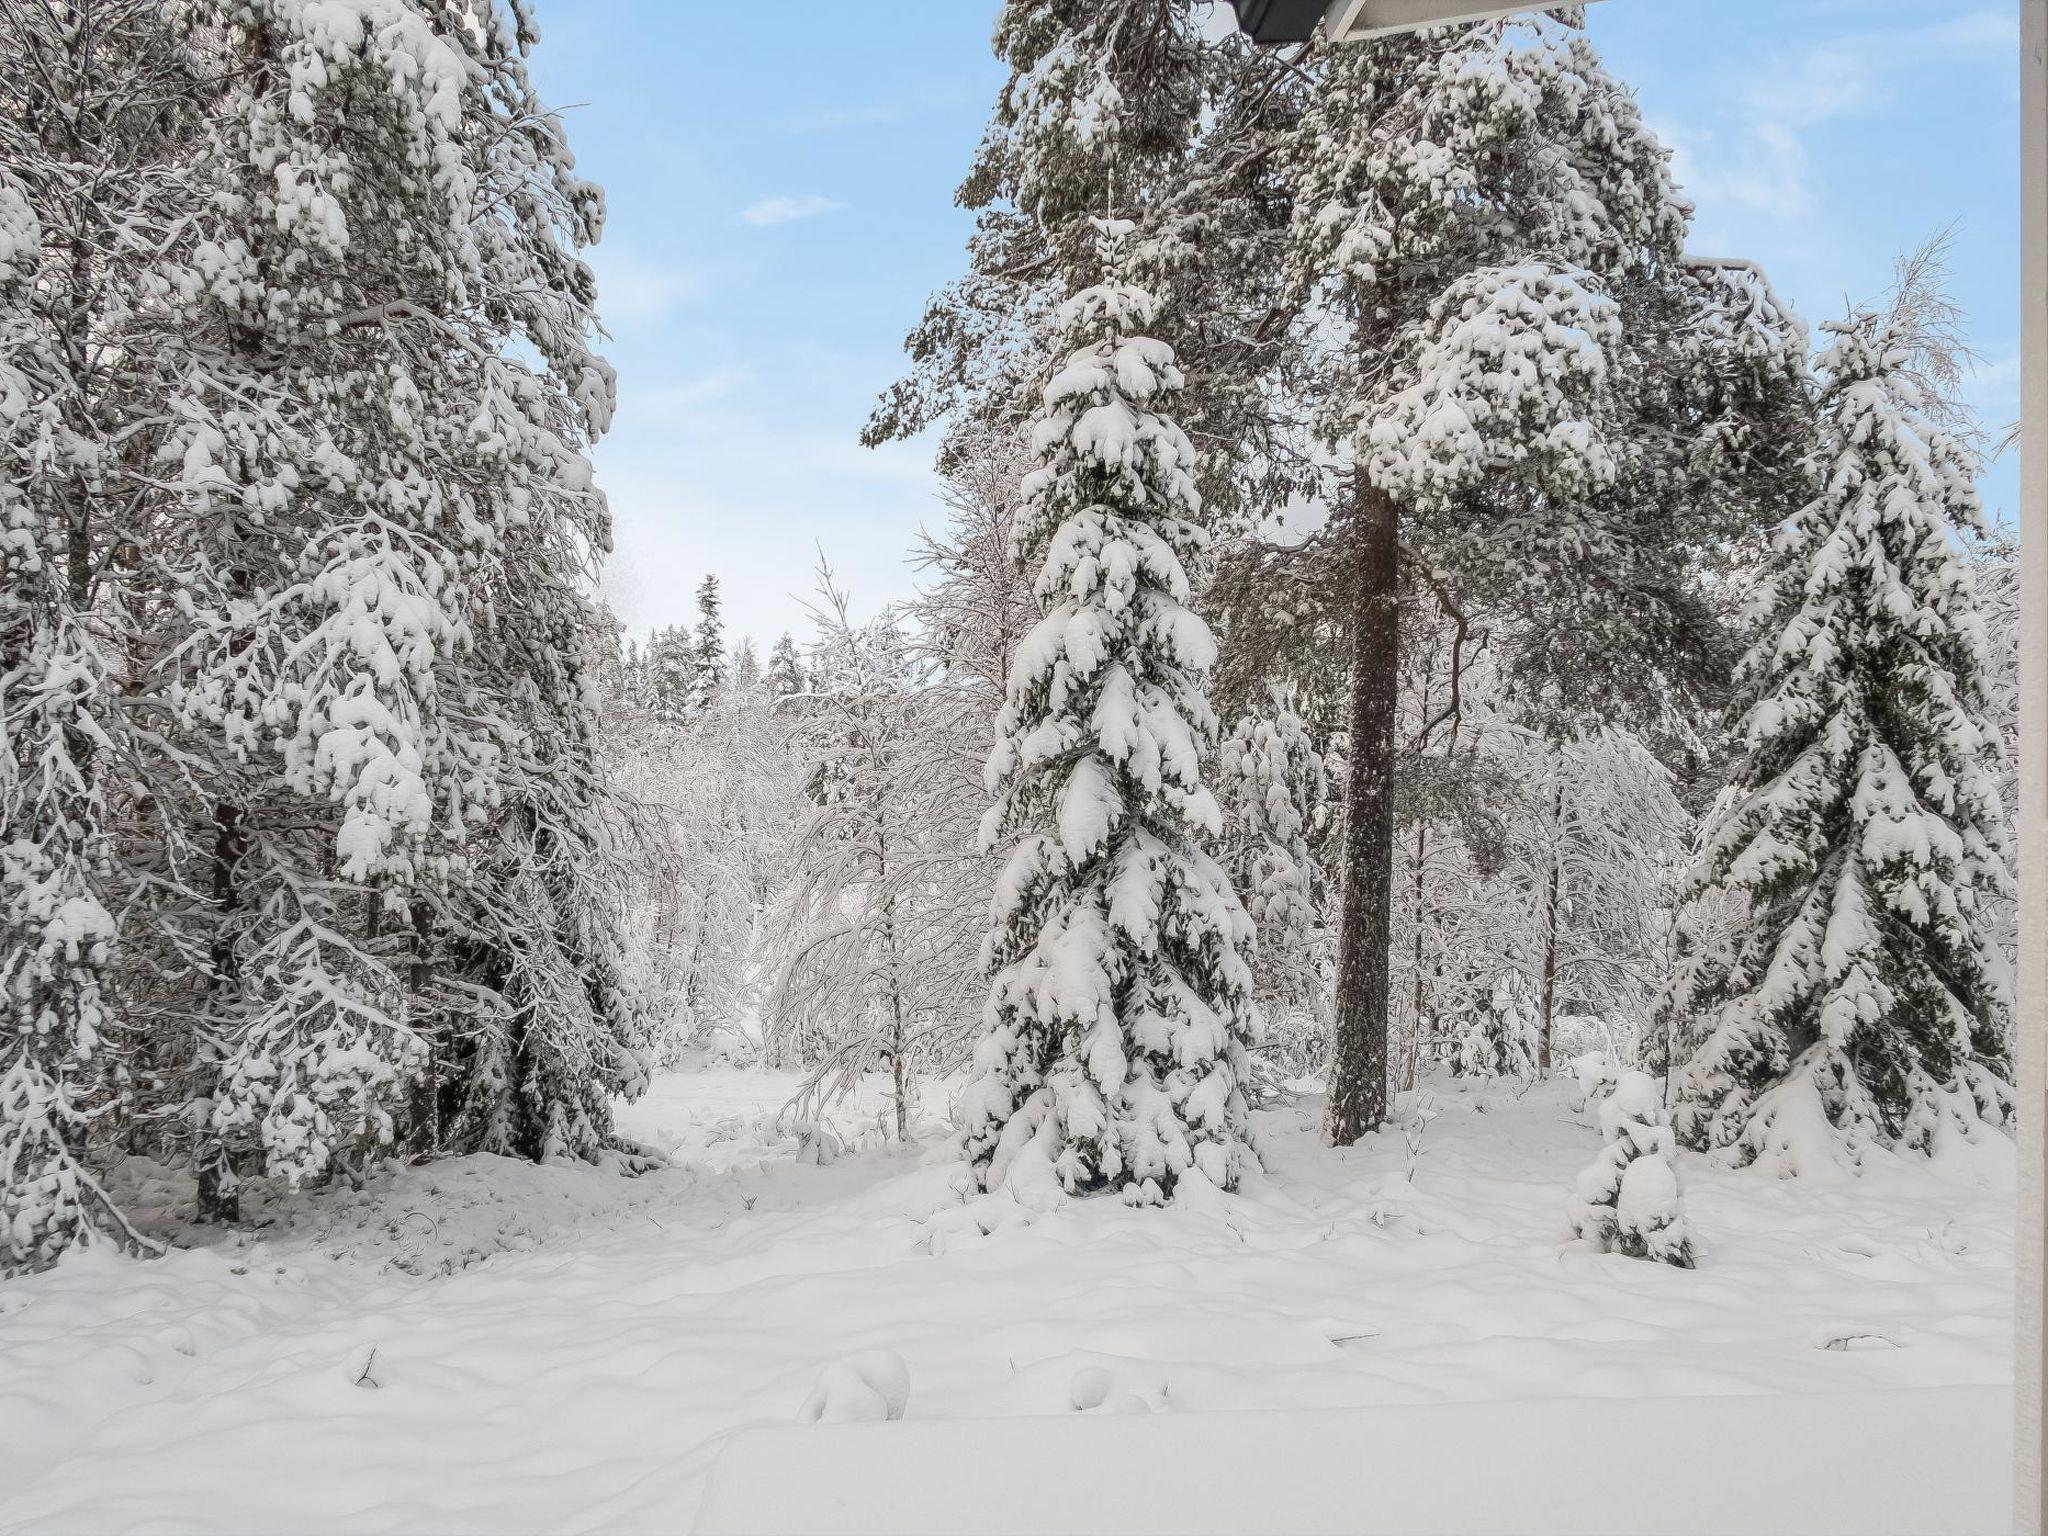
(1627, 1200)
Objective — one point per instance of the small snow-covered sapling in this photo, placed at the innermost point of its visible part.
(1627, 1200)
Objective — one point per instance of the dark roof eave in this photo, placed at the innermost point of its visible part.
(1279, 21)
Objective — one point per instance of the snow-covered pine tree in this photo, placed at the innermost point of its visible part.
(1866, 831)
(1274, 789)
(709, 650)
(1627, 1199)
(1496, 1029)
(1548, 407)
(671, 674)
(536, 934)
(99, 104)
(785, 675)
(1120, 1003)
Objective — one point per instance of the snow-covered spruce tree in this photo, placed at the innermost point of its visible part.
(785, 674)
(1137, 109)
(709, 649)
(1627, 1200)
(630, 692)
(330, 481)
(1272, 783)
(671, 674)
(1996, 571)
(378, 522)
(1549, 409)
(744, 675)
(1496, 1029)
(1120, 1004)
(1866, 830)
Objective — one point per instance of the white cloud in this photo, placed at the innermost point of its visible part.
(632, 290)
(671, 395)
(1762, 169)
(785, 210)
(899, 106)
(1992, 389)
(1756, 158)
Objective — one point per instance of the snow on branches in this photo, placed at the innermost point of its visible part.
(1275, 792)
(1496, 1035)
(1120, 1003)
(1865, 831)
(1627, 1200)
(296, 384)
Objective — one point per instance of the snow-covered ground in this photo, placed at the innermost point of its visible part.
(481, 1344)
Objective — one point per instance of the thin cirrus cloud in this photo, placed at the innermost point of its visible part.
(786, 210)
(1757, 156)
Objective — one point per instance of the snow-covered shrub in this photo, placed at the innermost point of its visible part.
(1627, 1200)
(1596, 1073)
(1496, 1031)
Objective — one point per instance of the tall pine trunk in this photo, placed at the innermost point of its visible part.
(1358, 1046)
(216, 1200)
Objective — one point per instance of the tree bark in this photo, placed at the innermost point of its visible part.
(217, 1200)
(423, 1109)
(1358, 1046)
(1415, 1045)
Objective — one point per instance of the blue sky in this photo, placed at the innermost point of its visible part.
(780, 178)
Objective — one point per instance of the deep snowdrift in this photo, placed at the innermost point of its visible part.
(484, 1344)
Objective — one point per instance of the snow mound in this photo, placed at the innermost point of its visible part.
(864, 1388)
